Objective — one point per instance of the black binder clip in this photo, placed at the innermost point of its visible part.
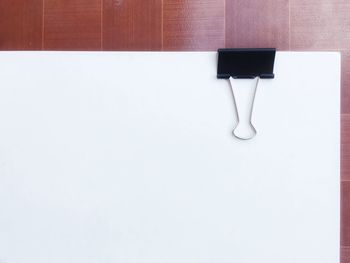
(257, 63)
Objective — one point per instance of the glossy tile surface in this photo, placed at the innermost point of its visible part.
(132, 25)
(345, 208)
(21, 24)
(345, 255)
(345, 82)
(253, 23)
(345, 147)
(72, 25)
(194, 24)
(320, 24)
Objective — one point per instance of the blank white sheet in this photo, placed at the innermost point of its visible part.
(129, 157)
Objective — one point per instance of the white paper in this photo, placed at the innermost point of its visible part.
(130, 158)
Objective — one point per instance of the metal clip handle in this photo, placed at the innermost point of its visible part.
(244, 102)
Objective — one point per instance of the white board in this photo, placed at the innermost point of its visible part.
(129, 157)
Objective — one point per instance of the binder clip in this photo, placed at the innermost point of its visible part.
(256, 64)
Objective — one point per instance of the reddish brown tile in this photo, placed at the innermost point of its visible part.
(21, 24)
(320, 24)
(252, 23)
(194, 24)
(72, 25)
(345, 213)
(345, 147)
(132, 24)
(345, 99)
(345, 255)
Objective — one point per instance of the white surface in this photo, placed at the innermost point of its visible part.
(129, 157)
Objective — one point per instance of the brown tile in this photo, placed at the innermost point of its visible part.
(320, 24)
(345, 255)
(254, 23)
(194, 24)
(132, 24)
(345, 99)
(345, 213)
(72, 25)
(21, 24)
(345, 147)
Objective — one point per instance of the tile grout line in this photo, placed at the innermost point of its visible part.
(43, 26)
(345, 181)
(320, 50)
(289, 26)
(101, 28)
(162, 25)
(225, 41)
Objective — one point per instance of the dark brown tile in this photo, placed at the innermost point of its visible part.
(132, 24)
(345, 255)
(72, 25)
(345, 213)
(254, 23)
(320, 24)
(345, 147)
(345, 94)
(194, 24)
(21, 24)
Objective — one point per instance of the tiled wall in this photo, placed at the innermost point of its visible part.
(189, 25)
